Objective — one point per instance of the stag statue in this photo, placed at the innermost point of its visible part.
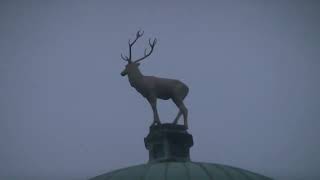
(152, 87)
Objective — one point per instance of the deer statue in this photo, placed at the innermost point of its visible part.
(152, 87)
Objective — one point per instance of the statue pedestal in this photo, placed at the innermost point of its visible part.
(168, 142)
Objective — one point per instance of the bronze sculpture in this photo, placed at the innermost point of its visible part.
(152, 87)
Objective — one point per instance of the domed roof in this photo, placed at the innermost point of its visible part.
(181, 170)
(169, 159)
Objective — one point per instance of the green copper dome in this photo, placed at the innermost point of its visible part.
(169, 159)
(181, 171)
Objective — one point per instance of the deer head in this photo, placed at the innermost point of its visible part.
(133, 65)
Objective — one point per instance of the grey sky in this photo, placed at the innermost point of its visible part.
(253, 70)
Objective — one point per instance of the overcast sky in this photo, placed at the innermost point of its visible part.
(253, 70)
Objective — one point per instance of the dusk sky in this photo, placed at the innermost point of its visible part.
(252, 67)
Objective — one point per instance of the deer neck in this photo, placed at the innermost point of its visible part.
(135, 76)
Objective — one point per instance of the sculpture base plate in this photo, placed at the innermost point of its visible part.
(168, 126)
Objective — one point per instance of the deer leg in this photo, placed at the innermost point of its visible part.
(177, 117)
(153, 103)
(182, 110)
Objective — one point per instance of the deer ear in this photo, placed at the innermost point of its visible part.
(138, 64)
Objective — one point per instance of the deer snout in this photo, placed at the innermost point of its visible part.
(123, 73)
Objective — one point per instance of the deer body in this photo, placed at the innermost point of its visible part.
(162, 88)
(153, 88)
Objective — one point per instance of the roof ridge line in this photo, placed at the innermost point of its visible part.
(148, 166)
(205, 170)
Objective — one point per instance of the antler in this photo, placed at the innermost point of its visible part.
(126, 58)
(151, 44)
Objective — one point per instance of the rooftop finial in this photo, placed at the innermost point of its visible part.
(168, 142)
